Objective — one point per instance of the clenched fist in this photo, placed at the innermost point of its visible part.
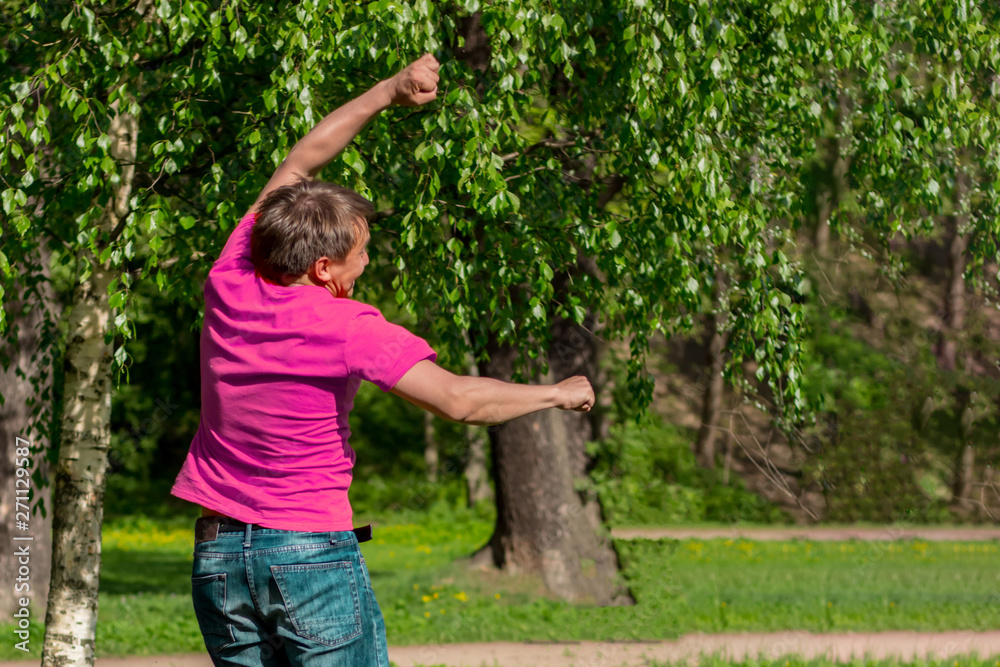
(575, 393)
(417, 83)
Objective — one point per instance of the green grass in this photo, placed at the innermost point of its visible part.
(899, 526)
(680, 586)
(734, 585)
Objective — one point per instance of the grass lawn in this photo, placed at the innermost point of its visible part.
(680, 586)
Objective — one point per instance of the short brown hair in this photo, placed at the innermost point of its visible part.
(299, 223)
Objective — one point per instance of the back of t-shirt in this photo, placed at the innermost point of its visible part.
(280, 366)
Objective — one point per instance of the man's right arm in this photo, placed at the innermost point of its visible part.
(415, 85)
(477, 400)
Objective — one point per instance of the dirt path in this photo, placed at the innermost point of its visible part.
(840, 647)
(816, 533)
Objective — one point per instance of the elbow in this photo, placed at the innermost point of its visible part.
(461, 409)
(472, 414)
(463, 406)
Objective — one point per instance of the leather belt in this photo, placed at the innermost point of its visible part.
(207, 528)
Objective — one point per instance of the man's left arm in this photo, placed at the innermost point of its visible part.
(413, 86)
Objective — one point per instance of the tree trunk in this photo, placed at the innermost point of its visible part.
(477, 485)
(430, 448)
(542, 526)
(953, 309)
(25, 414)
(575, 350)
(476, 474)
(965, 463)
(711, 404)
(78, 497)
(830, 193)
(952, 321)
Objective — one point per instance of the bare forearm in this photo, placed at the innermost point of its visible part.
(477, 400)
(489, 401)
(325, 141)
(415, 85)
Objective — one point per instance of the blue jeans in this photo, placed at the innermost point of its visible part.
(269, 597)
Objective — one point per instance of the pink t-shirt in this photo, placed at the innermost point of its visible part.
(280, 366)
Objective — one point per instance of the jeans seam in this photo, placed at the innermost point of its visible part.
(251, 585)
(225, 602)
(290, 548)
(218, 556)
(371, 612)
(373, 609)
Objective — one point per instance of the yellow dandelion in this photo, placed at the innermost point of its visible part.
(426, 598)
(829, 604)
(461, 596)
(427, 614)
(497, 596)
(723, 603)
(416, 587)
(435, 596)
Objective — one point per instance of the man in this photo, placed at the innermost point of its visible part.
(278, 578)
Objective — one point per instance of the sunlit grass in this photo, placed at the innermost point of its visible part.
(428, 593)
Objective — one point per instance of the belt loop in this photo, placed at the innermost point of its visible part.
(246, 535)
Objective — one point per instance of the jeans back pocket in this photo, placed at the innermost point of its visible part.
(321, 600)
(208, 594)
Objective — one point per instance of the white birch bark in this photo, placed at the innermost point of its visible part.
(78, 497)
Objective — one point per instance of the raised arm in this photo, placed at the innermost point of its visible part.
(413, 86)
(475, 400)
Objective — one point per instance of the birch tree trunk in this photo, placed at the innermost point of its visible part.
(78, 497)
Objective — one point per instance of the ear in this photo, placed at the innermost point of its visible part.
(322, 270)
